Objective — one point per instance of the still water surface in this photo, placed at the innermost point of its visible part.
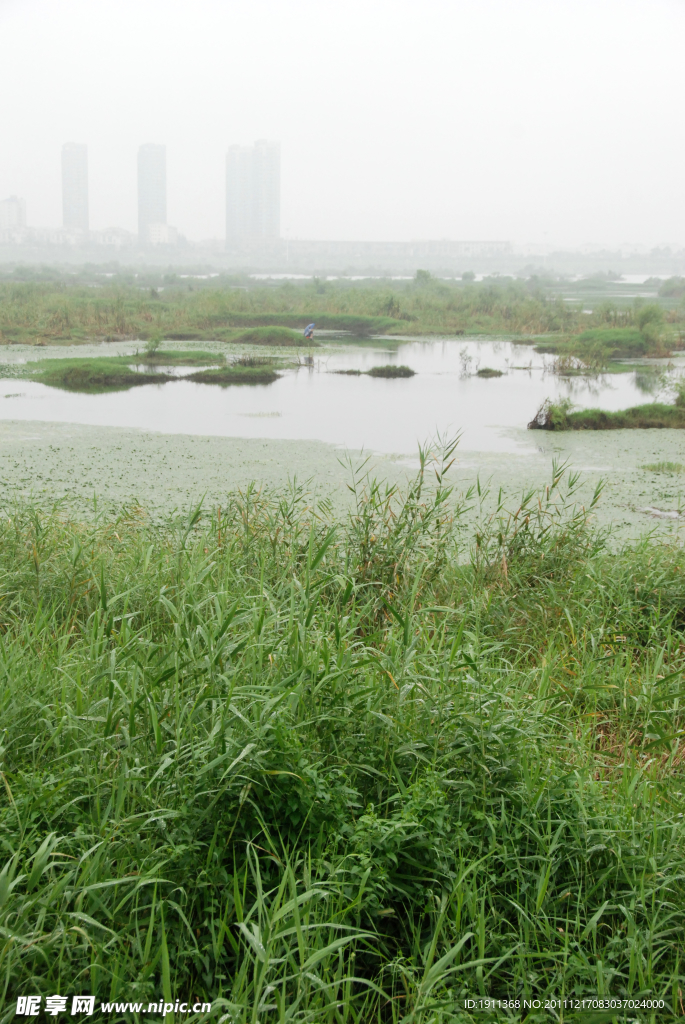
(315, 403)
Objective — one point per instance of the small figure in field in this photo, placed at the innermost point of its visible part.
(309, 332)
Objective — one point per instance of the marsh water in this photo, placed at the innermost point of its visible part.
(313, 402)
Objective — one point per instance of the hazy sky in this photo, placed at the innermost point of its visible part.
(530, 120)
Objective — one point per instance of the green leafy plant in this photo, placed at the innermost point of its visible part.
(153, 343)
(341, 768)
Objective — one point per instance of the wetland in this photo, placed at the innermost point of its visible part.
(219, 360)
(295, 702)
(167, 441)
(382, 394)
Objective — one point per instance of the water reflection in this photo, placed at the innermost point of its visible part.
(650, 380)
(311, 402)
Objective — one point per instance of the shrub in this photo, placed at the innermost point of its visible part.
(391, 370)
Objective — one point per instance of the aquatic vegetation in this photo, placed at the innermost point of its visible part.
(664, 467)
(617, 343)
(69, 310)
(175, 358)
(390, 370)
(358, 325)
(252, 361)
(275, 337)
(596, 349)
(488, 371)
(552, 415)
(57, 313)
(116, 373)
(92, 375)
(559, 416)
(572, 366)
(239, 372)
(650, 379)
(362, 766)
(653, 415)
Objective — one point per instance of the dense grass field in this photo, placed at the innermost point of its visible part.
(342, 770)
(86, 306)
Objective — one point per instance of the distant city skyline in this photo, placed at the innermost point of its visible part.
(253, 193)
(252, 217)
(12, 213)
(450, 120)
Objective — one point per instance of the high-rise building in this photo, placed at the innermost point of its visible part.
(253, 193)
(12, 213)
(75, 186)
(151, 191)
(267, 189)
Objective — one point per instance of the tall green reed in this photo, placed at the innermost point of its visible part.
(340, 769)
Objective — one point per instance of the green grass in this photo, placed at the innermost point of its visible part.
(558, 416)
(487, 371)
(639, 417)
(237, 373)
(664, 467)
(98, 375)
(275, 337)
(175, 358)
(619, 342)
(72, 309)
(603, 348)
(92, 375)
(341, 770)
(286, 328)
(390, 370)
